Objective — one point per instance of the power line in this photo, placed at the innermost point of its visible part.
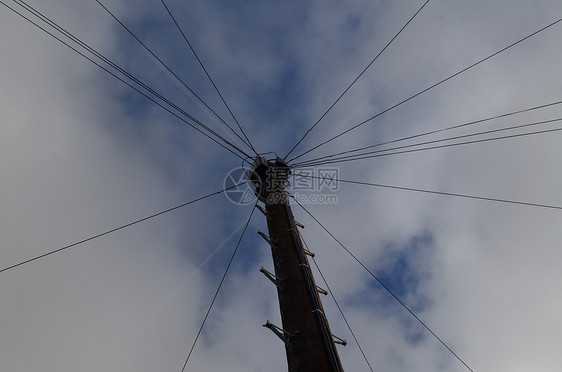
(443, 193)
(338, 306)
(169, 70)
(429, 88)
(219, 288)
(435, 131)
(249, 143)
(115, 66)
(387, 152)
(357, 78)
(387, 288)
(432, 147)
(117, 229)
(76, 40)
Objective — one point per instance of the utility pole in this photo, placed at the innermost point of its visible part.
(309, 343)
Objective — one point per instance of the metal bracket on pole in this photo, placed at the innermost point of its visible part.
(283, 335)
(306, 251)
(269, 275)
(299, 224)
(266, 238)
(322, 290)
(262, 209)
(318, 311)
(340, 341)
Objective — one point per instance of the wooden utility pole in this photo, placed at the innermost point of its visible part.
(309, 343)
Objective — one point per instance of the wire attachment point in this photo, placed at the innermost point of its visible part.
(340, 341)
(282, 334)
(269, 276)
(263, 211)
(266, 238)
(311, 254)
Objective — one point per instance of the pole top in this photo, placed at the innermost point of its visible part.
(265, 175)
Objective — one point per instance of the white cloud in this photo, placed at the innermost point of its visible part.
(81, 155)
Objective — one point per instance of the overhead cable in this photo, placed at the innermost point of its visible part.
(117, 228)
(338, 306)
(429, 88)
(181, 81)
(392, 151)
(248, 142)
(382, 284)
(218, 288)
(470, 123)
(443, 193)
(357, 78)
(121, 70)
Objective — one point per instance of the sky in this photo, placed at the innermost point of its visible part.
(81, 153)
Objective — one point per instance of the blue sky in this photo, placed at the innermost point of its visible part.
(81, 153)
